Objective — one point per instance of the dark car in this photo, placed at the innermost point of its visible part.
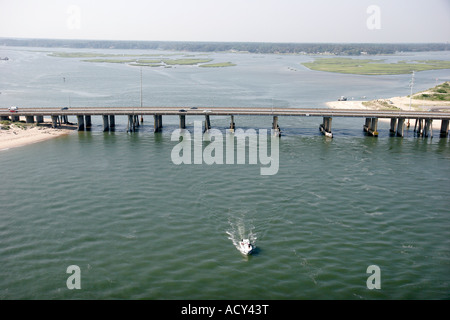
(181, 110)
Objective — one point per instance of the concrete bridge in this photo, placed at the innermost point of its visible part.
(398, 119)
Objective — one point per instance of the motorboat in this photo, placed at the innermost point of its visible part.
(246, 247)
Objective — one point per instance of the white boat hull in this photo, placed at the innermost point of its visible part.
(246, 247)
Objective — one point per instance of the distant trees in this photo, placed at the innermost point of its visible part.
(252, 47)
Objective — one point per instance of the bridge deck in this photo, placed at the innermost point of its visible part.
(312, 112)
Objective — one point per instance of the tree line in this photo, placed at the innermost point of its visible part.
(252, 47)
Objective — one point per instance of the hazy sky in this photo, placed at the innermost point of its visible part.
(229, 20)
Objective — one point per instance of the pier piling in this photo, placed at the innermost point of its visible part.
(393, 126)
(105, 123)
(88, 121)
(207, 123)
(112, 122)
(182, 121)
(325, 127)
(80, 120)
(400, 127)
(157, 123)
(444, 129)
(55, 121)
(428, 130)
(232, 124)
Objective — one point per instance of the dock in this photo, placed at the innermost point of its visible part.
(398, 118)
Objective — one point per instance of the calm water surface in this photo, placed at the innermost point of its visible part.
(140, 227)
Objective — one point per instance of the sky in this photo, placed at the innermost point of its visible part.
(342, 21)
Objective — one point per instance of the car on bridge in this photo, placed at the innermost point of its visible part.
(13, 109)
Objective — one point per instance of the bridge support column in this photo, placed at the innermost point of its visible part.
(420, 126)
(275, 126)
(112, 122)
(15, 118)
(444, 129)
(80, 120)
(207, 123)
(400, 127)
(371, 126)
(232, 124)
(88, 120)
(373, 130)
(4, 118)
(428, 132)
(39, 119)
(136, 121)
(105, 123)
(131, 127)
(182, 121)
(393, 126)
(54, 121)
(29, 119)
(325, 127)
(157, 123)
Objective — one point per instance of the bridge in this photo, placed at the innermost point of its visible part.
(423, 119)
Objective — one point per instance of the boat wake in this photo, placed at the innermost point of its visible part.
(241, 229)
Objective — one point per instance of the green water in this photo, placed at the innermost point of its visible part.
(140, 227)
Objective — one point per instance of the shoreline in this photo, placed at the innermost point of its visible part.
(402, 103)
(24, 134)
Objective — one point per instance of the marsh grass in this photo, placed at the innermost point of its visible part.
(373, 66)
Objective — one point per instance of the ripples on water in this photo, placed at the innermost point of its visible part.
(140, 227)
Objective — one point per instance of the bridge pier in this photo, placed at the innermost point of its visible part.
(88, 121)
(428, 130)
(182, 121)
(55, 120)
(325, 127)
(39, 119)
(133, 123)
(112, 122)
(105, 123)
(4, 118)
(29, 119)
(400, 127)
(276, 127)
(80, 120)
(371, 126)
(207, 123)
(232, 124)
(15, 118)
(393, 126)
(157, 123)
(444, 129)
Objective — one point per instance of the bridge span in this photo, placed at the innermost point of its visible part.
(398, 118)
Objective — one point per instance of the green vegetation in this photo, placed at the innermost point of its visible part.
(380, 105)
(217, 65)
(374, 67)
(5, 124)
(110, 60)
(252, 47)
(438, 93)
(186, 61)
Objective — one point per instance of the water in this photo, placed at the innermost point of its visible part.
(140, 227)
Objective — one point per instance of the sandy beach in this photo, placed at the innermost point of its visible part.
(17, 135)
(402, 103)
